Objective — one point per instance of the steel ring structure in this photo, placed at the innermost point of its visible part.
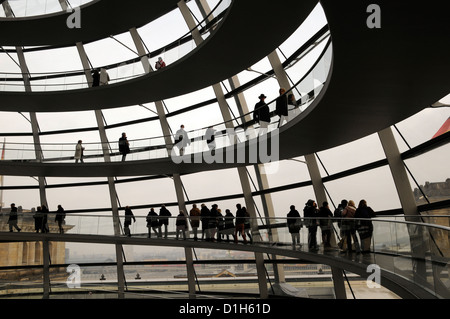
(368, 123)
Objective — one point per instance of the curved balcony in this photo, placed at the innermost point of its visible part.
(153, 152)
(413, 256)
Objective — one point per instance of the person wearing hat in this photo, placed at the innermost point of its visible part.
(261, 114)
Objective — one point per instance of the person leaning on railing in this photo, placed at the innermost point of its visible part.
(364, 227)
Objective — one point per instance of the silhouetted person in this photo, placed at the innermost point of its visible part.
(124, 146)
(59, 218)
(229, 224)
(164, 215)
(240, 224)
(153, 223)
(38, 217)
(294, 224)
(181, 224)
(310, 213)
(204, 216)
(325, 224)
(281, 106)
(195, 219)
(129, 216)
(160, 64)
(365, 227)
(95, 78)
(13, 218)
(261, 114)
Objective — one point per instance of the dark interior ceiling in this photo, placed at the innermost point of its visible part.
(99, 19)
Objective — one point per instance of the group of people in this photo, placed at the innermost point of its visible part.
(213, 224)
(40, 215)
(285, 104)
(323, 217)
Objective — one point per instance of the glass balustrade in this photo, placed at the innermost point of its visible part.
(416, 251)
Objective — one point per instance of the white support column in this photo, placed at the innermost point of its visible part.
(46, 268)
(169, 145)
(111, 184)
(241, 170)
(406, 197)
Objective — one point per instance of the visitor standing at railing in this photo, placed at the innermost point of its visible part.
(310, 214)
(153, 223)
(13, 218)
(59, 218)
(350, 234)
(365, 227)
(212, 223)
(229, 224)
(164, 215)
(128, 217)
(79, 152)
(181, 225)
(294, 224)
(261, 114)
(194, 214)
(220, 225)
(124, 146)
(38, 219)
(325, 224)
(281, 107)
(240, 224)
(204, 215)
